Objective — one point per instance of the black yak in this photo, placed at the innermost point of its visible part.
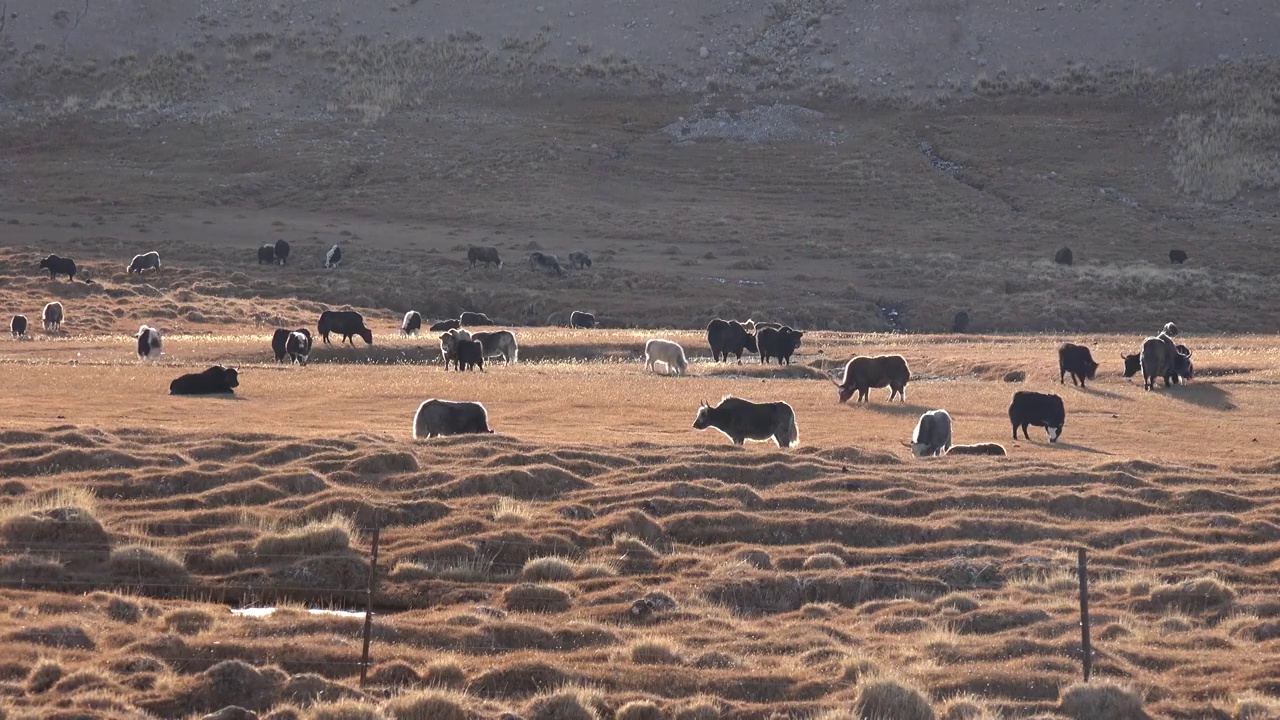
(730, 336)
(741, 420)
(778, 343)
(18, 326)
(487, 255)
(446, 417)
(278, 342)
(333, 257)
(145, 261)
(579, 260)
(214, 381)
(1033, 408)
(267, 254)
(59, 266)
(411, 324)
(469, 354)
(1064, 256)
(474, 318)
(446, 325)
(579, 319)
(282, 251)
(1077, 360)
(1159, 359)
(345, 323)
(501, 343)
(52, 316)
(544, 262)
(863, 373)
(1177, 257)
(977, 449)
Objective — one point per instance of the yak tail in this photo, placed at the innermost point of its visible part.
(790, 435)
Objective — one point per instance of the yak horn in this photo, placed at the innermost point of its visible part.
(905, 443)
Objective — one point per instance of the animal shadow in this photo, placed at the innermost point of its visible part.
(1105, 394)
(894, 408)
(1081, 448)
(1205, 395)
(212, 396)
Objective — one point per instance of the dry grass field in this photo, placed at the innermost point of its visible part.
(600, 558)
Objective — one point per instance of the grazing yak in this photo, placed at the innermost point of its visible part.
(501, 343)
(149, 343)
(546, 263)
(214, 381)
(461, 348)
(487, 255)
(1160, 359)
(298, 346)
(473, 319)
(667, 352)
(932, 435)
(18, 326)
(579, 260)
(1132, 364)
(977, 449)
(1077, 360)
(52, 316)
(449, 345)
(59, 266)
(267, 254)
(1177, 257)
(579, 319)
(469, 354)
(960, 323)
(1064, 256)
(282, 251)
(779, 343)
(730, 336)
(278, 342)
(1033, 408)
(742, 420)
(145, 261)
(411, 324)
(446, 417)
(863, 373)
(446, 325)
(333, 257)
(345, 323)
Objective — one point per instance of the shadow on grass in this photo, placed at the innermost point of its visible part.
(1205, 395)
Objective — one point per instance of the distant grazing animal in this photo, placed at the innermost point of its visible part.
(18, 326)
(1033, 408)
(411, 324)
(743, 420)
(960, 323)
(145, 261)
(474, 318)
(1064, 256)
(932, 435)
(298, 346)
(470, 353)
(214, 381)
(52, 316)
(59, 266)
(1132, 364)
(778, 343)
(345, 323)
(863, 373)
(278, 342)
(282, 251)
(267, 254)
(449, 346)
(579, 319)
(730, 336)
(1077, 360)
(667, 352)
(1159, 359)
(333, 257)
(1177, 256)
(1170, 329)
(578, 260)
(148, 342)
(501, 343)
(547, 263)
(487, 255)
(977, 449)
(445, 325)
(446, 417)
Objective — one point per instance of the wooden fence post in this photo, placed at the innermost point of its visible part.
(1085, 645)
(368, 608)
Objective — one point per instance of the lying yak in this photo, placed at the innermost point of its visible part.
(932, 435)
(346, 323)
(145, 261)
(214, 381)
(487, 255)
(730, 336)
(59, 266)
(470, 319)
(446, 325)
(977, 449)
(1039, 409)
(863, 373)
(446, 417)
(149, 342)
(667, 352)
(1076, 360)
(741, 420)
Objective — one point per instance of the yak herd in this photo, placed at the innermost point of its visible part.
(1158, 358)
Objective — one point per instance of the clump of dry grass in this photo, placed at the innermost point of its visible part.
(885, 697)
(532, 597)
(824, 561)
(430, 705)
(633, 548)
(43, 676)
(566, 703)
(1101, 700)
(123, 610)
(1256, 706)
(147, 564)
(655, 651)
(510, 511)
(698, 708)
(188, 621)
(63, 521)
(346, 710)
(394, 674)
(444, 674)
(967, 707)
(639, 710)
(1206, 594)
(856, 670)
(81, 680)
(548, 569)
(321, 537)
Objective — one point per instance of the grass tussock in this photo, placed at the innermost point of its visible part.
(1201, 595)
(147, 564)
(558, 569)
(1256, 706)
(346, 710)
(430, 705)
(188, 621)
(536, 598)
(566, 703)
(639, 710)
(124, 610)
(444, 674)
(884, 697)
(63, 521)
(698, 708)
(44, 676)
(633, 548)
(655, 651)
(968, 707)
(510, 511)
(331, 535)
(824, 561)
(1101, 700)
